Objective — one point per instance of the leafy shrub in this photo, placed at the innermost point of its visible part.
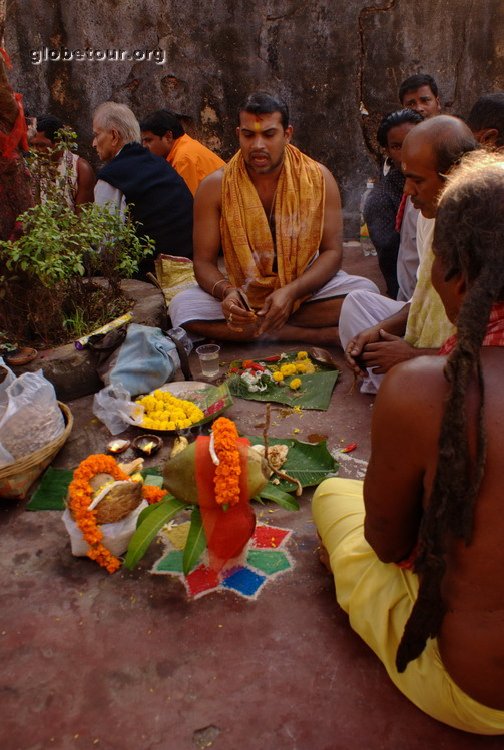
(46, 274)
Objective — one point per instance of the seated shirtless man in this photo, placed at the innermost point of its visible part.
(276, 215)
(418, 562)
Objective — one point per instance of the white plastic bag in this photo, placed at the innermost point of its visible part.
(7, 380)
(31, 419)
(113, 406)
(116, 536)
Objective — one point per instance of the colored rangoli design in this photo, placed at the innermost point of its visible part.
(264, 558)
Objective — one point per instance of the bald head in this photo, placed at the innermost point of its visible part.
(448, 138)
(429, 151)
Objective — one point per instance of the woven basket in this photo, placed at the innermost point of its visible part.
(17, 478)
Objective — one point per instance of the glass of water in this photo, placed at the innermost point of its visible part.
(209, 359)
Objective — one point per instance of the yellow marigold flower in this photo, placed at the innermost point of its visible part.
(310, 368)
(295, 384)
(301, 367)
(278, 376)
(302, 355)
(288, 370)
(162, 408)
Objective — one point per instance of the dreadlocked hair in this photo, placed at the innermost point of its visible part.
(469, 240)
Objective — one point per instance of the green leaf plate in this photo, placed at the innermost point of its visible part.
(310, 463)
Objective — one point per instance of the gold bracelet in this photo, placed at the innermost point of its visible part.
(219, 281)
(229, 286)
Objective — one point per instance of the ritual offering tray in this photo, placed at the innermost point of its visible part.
(175, 407)
(297, 378)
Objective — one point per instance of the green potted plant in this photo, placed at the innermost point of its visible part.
(49, 288)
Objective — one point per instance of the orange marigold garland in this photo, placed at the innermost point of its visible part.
(152, 494)
(80, 494)
(228, 470)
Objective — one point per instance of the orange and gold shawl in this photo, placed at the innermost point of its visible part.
(247, 243)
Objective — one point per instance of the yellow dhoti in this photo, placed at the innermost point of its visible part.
(378, 598)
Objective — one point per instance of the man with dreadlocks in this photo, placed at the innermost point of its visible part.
(418, 561)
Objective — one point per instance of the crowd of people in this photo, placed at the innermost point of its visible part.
(416, 550)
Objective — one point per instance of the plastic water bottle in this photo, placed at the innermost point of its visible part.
(365, 240)
(181, 335)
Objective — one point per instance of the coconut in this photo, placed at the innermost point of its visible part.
(118, 501)
(115, 500)
(179, 476)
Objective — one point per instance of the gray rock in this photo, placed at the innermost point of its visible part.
(71, 371)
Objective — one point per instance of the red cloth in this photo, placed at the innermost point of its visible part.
(494, 333)
(6, 57)
(18, 135)
(400, 213)
(17, 138)
(226, 531)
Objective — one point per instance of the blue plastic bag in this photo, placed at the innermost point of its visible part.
(147, 359)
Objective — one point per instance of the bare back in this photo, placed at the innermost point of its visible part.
(406, 425)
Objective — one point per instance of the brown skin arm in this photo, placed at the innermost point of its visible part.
(395, 325)
(404, 434)
(278, 306)
(86, 181)
(389, 351)
(206, 245)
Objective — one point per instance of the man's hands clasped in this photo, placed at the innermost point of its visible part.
(377, 349)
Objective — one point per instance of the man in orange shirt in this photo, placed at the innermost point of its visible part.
(164, 136)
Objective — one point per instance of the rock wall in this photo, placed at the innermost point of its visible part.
(332, 61)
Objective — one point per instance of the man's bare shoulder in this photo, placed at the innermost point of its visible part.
(209, 189)
(84, 166)
(325, 171)
(332, 190)
(213, 180)
(407, 415)
(415, 382)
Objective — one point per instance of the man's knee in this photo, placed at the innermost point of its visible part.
(357, 313)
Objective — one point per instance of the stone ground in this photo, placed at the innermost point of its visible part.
(126, 661)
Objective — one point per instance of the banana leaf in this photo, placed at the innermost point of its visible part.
(52, 490)
(162, 512)
(310, 463)
(281, 498)
(150, 509)
(196, 542)
(314, 393)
